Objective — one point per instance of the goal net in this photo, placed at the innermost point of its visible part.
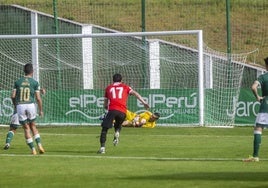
(169, 69)
(224, 77)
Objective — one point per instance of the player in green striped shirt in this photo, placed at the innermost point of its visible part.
(14, 125)
(26, 92)
(262, 117)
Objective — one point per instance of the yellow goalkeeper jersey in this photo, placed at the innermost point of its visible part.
(145, 116)
(130, 115)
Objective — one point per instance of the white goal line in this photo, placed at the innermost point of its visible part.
(97, 156)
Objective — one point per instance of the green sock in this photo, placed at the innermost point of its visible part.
(256, 144)
(37, 139)
(9, 137)
(30, 143)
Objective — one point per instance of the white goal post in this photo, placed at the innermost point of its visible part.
(166, 67)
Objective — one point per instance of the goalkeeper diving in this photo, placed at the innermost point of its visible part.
(145, 119)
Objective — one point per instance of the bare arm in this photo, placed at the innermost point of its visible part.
(127, 123)
(43, 91)
(105, 104)
(138, 96)
(13, 98)
(39, 103)
(254, 89)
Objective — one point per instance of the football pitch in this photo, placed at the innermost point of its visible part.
(168, 157)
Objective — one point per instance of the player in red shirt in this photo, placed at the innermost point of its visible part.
(116, 95)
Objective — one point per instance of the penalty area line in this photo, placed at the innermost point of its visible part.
(103, 156)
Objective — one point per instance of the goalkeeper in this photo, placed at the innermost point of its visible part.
(146, 119)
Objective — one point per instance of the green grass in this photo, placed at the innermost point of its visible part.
(160, 157)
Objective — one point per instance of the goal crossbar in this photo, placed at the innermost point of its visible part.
(97, 35)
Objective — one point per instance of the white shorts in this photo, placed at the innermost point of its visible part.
(262, 120)
(15, 120)
(26, 112)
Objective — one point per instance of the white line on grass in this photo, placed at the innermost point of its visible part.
(127, 158)
(166, 135)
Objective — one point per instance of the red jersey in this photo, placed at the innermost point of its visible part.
(117, 95)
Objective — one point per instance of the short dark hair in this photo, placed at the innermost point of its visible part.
(157, 114)
(117, 77)
(266, 61)
(28, 68)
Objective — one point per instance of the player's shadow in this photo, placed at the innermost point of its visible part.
(211, 176)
